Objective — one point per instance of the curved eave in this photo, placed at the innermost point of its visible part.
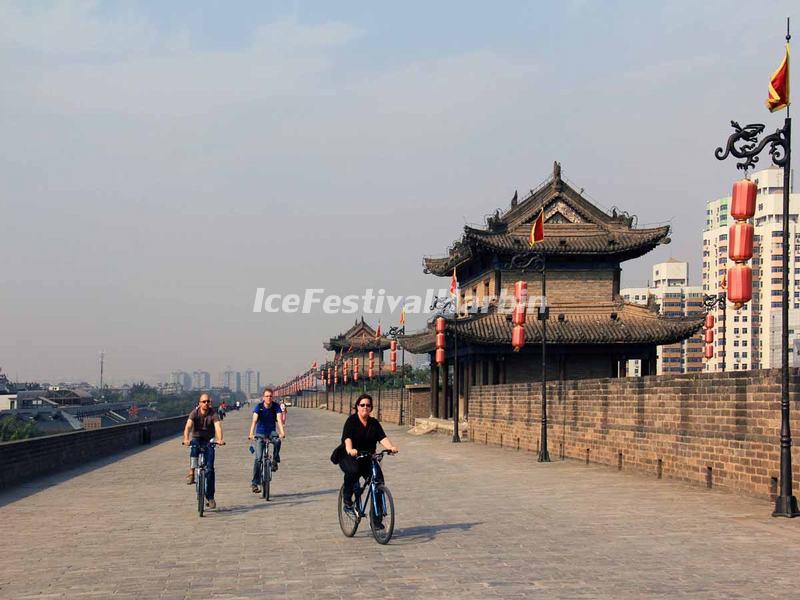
(419, 343)
(577, 329)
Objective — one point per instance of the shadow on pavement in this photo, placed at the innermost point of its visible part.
(427, 533)
(308, 494)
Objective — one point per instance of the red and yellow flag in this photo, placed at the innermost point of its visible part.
(378, 331)
(537, 229)
(403, 316)
(778, 96)
(454, 285)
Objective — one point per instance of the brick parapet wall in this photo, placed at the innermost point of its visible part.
(23, 460)
(677, 426)
(416, 402)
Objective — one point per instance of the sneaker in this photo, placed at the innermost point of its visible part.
(255, 489)
(211, 503)
(378, 525)
(190, 478)
(348, 507)
(274, 467)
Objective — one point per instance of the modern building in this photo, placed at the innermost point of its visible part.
(672, 296)
(750, 338)
(201, 380)
(183, 379)
(251, 383)
(591, 331)
(232, 380)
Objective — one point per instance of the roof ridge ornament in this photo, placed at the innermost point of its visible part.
(557, 182)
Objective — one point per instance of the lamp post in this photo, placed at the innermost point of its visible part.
(447, 310)
(711, 302)
(395, 332)
(536, 262)
(744, 144)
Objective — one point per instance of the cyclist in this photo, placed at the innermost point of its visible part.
(266, 416)
(284, 412)
(202, 425)
(361, 434)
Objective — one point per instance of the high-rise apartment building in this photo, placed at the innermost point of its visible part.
(251, 383)
(183, 379)
(751, 336)
(201, 380)
(672, 296)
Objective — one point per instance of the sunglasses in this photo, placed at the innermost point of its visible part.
(205, 402)
(369, 406)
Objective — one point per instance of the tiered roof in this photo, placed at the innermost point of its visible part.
(575, 228)
(610, 323)
(359, 338)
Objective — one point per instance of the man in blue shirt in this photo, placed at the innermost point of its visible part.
(265, 420)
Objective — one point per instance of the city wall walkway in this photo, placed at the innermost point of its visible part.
(472, 522)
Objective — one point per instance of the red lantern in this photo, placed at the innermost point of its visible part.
(371, 372)
(393, 345)
(708, 336)
(440, 323)
(743, 200)
(521, 291)
(371, 356)
(440, 356)
(335, 374)
(740, 241)
(708, 351)
(740, 285)
(518, 316)
(709, 321)
(440, 340)
(393, 367)
(518, 337)
(356, 368)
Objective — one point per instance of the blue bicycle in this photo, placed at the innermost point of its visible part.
(378, 501)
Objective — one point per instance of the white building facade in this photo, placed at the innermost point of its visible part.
(751, 336)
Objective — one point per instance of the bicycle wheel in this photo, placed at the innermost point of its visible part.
(348, 521)
(201, 491)
(266, 476)
(385, 506)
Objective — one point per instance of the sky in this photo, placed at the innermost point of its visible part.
(160, 161)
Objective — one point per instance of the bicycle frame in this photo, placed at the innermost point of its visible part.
(372, 482)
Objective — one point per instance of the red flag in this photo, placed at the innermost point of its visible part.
(454, 284)
(378, 331)
(537, 229)
(314, 366)
(778, 95)
(403, 316)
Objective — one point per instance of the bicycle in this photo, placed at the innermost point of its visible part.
(200, 474)
(266, 463)
(379, 499)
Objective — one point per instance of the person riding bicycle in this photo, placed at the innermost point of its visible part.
(266, 417)
(202, 425)
(361, 434)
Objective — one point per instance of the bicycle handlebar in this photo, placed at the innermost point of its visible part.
(376, 456)
(210, 443)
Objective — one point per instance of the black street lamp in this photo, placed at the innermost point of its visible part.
(744, 144)
(448, 310)
(395, 331)
(711, 302)
(536, 262)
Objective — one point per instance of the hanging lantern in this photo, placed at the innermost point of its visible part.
(440, 340)
(345, 368)
(709, 321)
(743, 200)
(740, 241)
(356, 368)
(518, 316)
(393, 345)
(335, 374)
(518, 337)
(440, 324)
(708, 336)
(521, 291)
(740, 285)
(440, 356)
(708, 351)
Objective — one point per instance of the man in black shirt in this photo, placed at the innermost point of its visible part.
(362, 433)
(203, 424)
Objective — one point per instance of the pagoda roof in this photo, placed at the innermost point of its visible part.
(360, 337)
(611, 323)
(573, 227)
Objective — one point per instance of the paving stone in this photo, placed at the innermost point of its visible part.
(472, 522)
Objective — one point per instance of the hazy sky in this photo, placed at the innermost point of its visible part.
(159, 161)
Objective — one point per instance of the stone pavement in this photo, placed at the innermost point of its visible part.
(473, 522)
